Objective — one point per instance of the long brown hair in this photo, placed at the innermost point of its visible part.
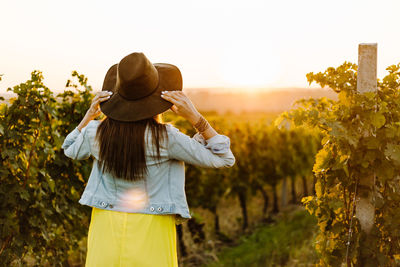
(122, 146)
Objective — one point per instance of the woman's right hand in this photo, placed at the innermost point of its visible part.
(182, 105)
(185, 108)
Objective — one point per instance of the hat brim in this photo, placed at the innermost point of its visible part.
(121, 109)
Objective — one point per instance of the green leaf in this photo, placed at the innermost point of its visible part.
(378, 119)
(372, 142)
(344, 99)
(385, 171)
(318, 189)
(51, 184)
(322, 160)
(392, 151)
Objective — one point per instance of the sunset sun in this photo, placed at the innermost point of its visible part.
(250, 64)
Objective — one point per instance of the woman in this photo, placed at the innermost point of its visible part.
(136, 186)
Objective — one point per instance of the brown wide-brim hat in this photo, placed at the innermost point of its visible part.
(137, 84)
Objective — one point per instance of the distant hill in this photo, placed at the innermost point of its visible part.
(267, 101)
(237, 102)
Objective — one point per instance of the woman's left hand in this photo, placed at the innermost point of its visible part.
(94, 110)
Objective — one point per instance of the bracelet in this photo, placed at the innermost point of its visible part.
(201, 125)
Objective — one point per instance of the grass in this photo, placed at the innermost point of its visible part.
(288, 242)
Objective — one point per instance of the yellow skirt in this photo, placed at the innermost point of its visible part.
(131, 239)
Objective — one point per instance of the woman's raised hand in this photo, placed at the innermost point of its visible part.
(94, 110)
(182, 105)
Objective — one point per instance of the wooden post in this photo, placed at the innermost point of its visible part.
(367, 61)
(366, 82)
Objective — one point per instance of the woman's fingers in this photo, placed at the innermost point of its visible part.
(174, 96)
(104, 93)
(101, 96)
(181, 105)
(174, 108)
(177, 106)
(169, 98)
(95, 102)
(104, 98)
(94, 109)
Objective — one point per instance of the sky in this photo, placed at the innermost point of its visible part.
(217, 44)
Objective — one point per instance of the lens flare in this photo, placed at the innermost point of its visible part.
(135, 198)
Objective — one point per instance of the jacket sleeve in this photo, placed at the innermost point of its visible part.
(212, 153)
(77, 144)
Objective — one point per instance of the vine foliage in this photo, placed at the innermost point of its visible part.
(361, 138)
(40, 214)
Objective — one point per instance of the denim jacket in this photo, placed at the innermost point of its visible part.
(162, 191)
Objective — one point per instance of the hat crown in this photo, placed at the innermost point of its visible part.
(137, 84)
(136, 77)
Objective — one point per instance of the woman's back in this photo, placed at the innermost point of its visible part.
(162, 189)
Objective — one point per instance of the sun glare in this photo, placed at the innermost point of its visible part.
(250, 64)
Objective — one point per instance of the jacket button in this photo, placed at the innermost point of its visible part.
(160, 209)
(152, 208)
(103, 204)
(110, 206)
